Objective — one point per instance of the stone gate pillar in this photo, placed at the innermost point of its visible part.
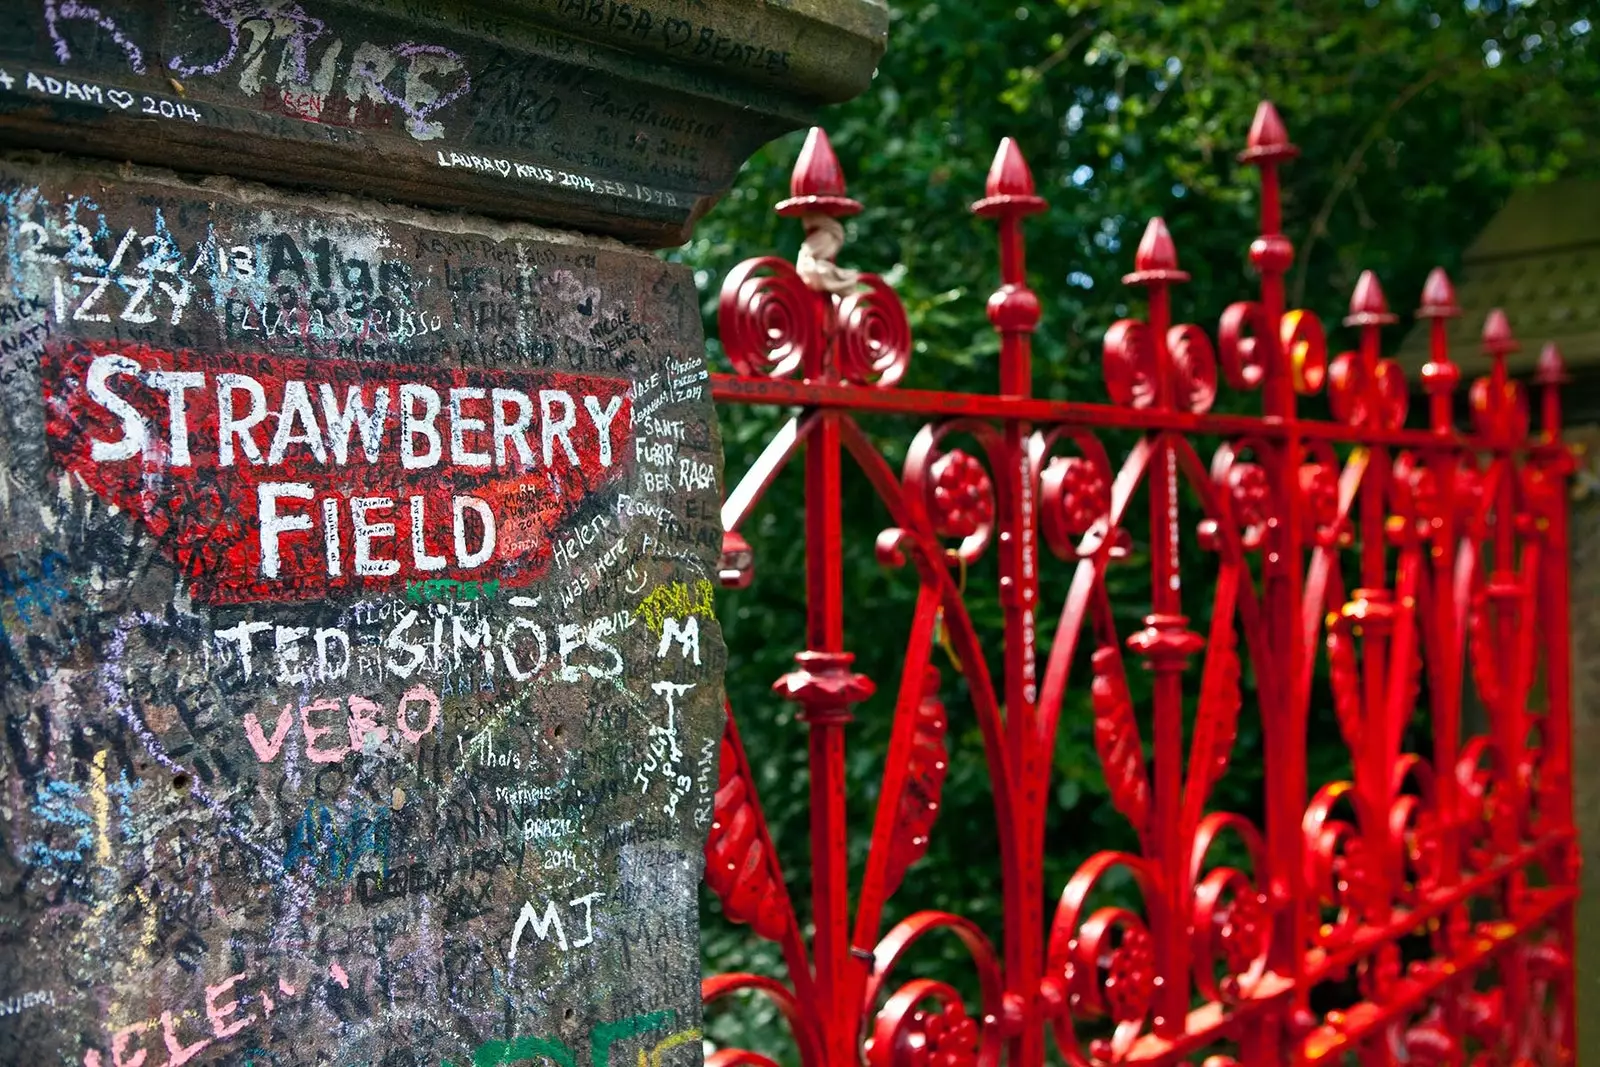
(359, 516)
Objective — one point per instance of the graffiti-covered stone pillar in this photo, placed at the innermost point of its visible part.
(359, 516)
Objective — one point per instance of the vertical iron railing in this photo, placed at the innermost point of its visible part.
(1429, 896)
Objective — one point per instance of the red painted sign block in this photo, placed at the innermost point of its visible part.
(289, 479)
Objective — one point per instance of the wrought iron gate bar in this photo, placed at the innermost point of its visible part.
(1379, 555)
(732, 389)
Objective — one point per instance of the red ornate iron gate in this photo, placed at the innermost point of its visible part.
(1457, 541)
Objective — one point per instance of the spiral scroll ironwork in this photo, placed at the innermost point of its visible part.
(767, 318)
(874, 336)
(1352, 573)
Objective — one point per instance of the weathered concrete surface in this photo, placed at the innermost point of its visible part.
(298, 765)
(613, 117)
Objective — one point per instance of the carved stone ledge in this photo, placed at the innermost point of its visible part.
(627, 119)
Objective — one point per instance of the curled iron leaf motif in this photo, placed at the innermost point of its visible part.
(874, 335)
(1541, 494)
(1420, 496)
(1112, 975)
(1483, 1014)
(960, 497)
(1250, 492)
(1417, 840)
(1305, 346)
(1319, 500)
(1345, 390)
(1230, 928)
(1503, 416)
(1392, 393)
(1101, 965)
(1127, 968)
(1244, 364)
(1116, 739)
(1547, 961)
(908, 1033)
(1378, 404)
(919, 803)
(768, 319)
(1349, 875)
(897, 1031)
(1431, 1044)
(1338, 868)
(1415, 843)
(1419, 485)
(890, 548)
(739, 868)
(1410, 490)
(1230, 918)
(1075, 496)
(1539, 1033)
(1544, 787)
(1194, 368)
(1476, 779)
(1129, 366)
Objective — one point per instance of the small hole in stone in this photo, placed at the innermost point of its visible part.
(180, 782)
(570, 1012)
(558, 731)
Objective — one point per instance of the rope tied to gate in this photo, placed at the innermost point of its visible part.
(824, 238)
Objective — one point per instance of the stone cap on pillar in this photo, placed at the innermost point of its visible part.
(609, 116)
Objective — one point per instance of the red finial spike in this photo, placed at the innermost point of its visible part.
(1268, 139)
(817, 171)
(1552, 369)
(817, 185)
(1009, 174)
(1438, 297)
(1266, 130)
(1439, 374)
(1157, 257)
(1368, 306)
(1009, 188)
(1550, 376)
(1368, 297)
(1156, 250)
(1497, 337)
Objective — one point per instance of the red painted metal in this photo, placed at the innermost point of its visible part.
(1434, 888)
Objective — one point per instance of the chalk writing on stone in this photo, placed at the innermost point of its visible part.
(701, 41)
(339, 618)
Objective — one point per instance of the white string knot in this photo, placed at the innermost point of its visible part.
(815, 265)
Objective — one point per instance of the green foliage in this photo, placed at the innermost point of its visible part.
(1415, 121)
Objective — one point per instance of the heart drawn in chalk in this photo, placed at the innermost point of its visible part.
(503, 166)
(676, 32)
(121, 97)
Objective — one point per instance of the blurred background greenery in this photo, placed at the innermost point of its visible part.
(1415, 120)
